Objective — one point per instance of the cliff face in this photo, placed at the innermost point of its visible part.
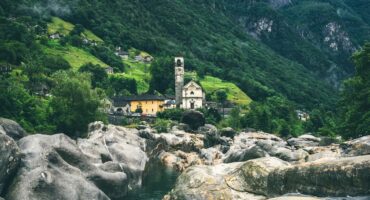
(321, 35)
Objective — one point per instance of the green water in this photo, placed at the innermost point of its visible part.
(157, 181)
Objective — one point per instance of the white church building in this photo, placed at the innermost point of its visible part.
(190, 96)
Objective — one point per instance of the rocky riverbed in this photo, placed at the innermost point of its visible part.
(113, 161)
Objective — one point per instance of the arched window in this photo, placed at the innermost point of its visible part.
(191, 93)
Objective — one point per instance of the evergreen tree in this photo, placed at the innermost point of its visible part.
(355, 99)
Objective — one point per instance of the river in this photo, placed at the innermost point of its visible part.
(157, 181)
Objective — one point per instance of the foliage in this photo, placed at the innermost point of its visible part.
(171, 114)
(75, 56)
(276, 115)
(162, 125)
(354, 103)
(212, 85)
(211, 115)
(17, 104)
(74, 103)
(119, 84)
(140, 72)
(99, 76)
(162, 75)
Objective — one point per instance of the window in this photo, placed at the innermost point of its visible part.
(192, 93)
(152, 110)
(152, 102)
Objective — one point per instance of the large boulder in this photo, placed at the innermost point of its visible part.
(208, 182)
(357, 147)
(324, 177)
(228, 132)
(253, 175)
(180, 140)
(9, 159)
(211, 134)
(252, 145)
(194, 119)
(12, 129)
(304, 141)
(54, 166)
(121, 146)
(226, 181)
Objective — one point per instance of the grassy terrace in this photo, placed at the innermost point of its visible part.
(63, 27)
(75, 56)
(234, 93)
(140, 72)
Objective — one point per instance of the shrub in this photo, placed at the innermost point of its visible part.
(172, 114)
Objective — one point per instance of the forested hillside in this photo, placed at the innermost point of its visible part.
(210, 38)
(295, 50)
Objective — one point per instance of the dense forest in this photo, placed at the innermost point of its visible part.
(285, 56)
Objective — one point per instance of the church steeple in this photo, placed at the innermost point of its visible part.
(179, 79)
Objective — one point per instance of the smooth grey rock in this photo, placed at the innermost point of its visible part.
(324, 177)
(357, 147)
(211, 134)
(12, 129)
(123, 146)
(228, 132)
(253, 145)
(54, 166)
(9, 159)
(208, 182)
(304, 141)
(180, 140)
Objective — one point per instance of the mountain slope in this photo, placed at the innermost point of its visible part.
(220, 38)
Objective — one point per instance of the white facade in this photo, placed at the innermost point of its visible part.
(192, 96)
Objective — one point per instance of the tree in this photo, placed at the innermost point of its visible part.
(162, 71)
(99, 76)
(221, 97)
(354, 102)
(74, 103)
(77, 30)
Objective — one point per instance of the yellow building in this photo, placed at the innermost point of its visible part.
(148, 104)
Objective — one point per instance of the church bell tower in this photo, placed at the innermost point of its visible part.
(179, 79)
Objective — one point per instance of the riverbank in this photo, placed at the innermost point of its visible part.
(114, 162)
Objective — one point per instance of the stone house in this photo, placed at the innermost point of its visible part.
(109, 70)
(123, 54)
(120, 106)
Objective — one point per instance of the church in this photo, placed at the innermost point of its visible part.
(190, 96)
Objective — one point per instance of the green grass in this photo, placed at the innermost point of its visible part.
(234, 93)
(140, 72)
(76, 57)
(63, 27)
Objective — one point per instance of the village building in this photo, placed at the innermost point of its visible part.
(147, 104)
(55, 36)
(109, 70)
(148, 59)
(303, 116)
(139, 58)
(190, 96)
(123, 54)
(120, 106)
(169, 102)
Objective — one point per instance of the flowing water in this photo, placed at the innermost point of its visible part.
(156, 183)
